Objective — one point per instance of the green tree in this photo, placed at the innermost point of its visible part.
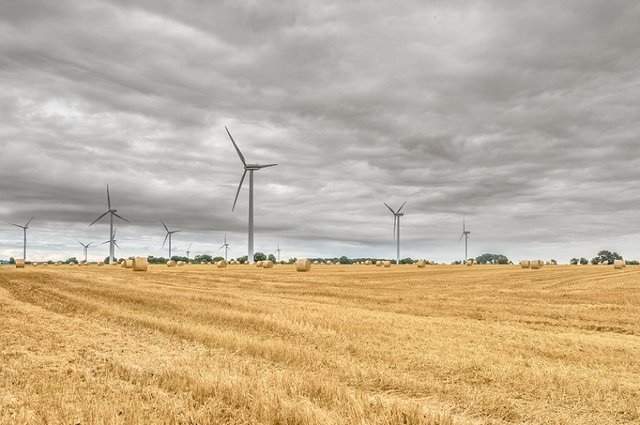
(71, 260)
(273, 258)
(344, 260)
(608, 256)
(259, 256)
(12, 260)
(574, 261)
(406, 261)
(492, 259)
(584, 261)
(242, 259)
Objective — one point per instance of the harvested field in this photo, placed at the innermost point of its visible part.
(336, 345)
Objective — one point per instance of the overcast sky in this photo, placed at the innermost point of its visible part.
(522, 115)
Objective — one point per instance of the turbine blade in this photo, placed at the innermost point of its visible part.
(220, 247)
(105, 242)
(17, 225)
(94, 221)
(401, 206)
(239, 187)
(267, 165)
(116, 244)
(165, 239)
(175, 231)
(165, 226)
(27, 225)
(395, 221)
(108, 198)
(392, 211)
(121, 218)
(89, 244)
(461, 236)
(237, 148)
(81, 243)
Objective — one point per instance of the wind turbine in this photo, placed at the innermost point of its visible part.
(111, 213)
(188, 251)
(250, 168)
(225, 245)
(396, 228)
(24, 231)
(112, 242)
(278, 251)
(86, 247)
(168, 235)
(465, 235)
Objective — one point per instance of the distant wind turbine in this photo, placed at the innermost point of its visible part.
(112, 241)
(168, 235)
(225, 245)
(188, 251)
(112, 213)
(396, 228)
(24, 232)
(278, 250)
(465, 235)
(86, 248)
(250, 168)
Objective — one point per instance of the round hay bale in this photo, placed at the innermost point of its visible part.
(421, 264)
(180, 263)
(20, 263)
(617, 264)
(328, 263)
(525, 264)
(139, 264)
(222, 264)
(259, 263)
(536, 264)
(386, 263)
(303, 265)
(128, 264)
(267, 264)
(123, 263)
(171, 263)
(316, 262)
(469, 262)
(101, 263)
(378, 263)
(367, 263)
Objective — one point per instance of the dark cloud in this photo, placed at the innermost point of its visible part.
(522, 116)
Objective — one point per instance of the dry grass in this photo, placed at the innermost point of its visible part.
(338, 345)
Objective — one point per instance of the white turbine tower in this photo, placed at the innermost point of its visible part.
(24, 233)
(168, 235)
(86, 248)
(112, 242)
(396, 228)
(111, 213)
(278, 251)
(250, 168)
(465, 235)
(188, 251)
(225, 245)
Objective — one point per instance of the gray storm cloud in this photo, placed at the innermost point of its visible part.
(522, 116)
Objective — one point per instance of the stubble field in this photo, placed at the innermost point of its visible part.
(337, 345)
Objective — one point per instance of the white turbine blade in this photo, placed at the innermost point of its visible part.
(108, 198)
(267, 165)
(165, 226)
(94, 221)
(27, 225)
(238, 192)
(392, 211)
(165, 239)
(401, 206)
(461, 236)
(121, 218)
(89, 244)
(17, 225)
(237, 148)
(105, 242)
(116, 244)
(81, 243)
(221, 247)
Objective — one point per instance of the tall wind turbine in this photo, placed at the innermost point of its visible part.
(24, 232)
(465, 235)
(111, 213)
(225, 245)
(188, 251)
(168, 235)
(396, 228)
(86, 248)
(250, 168)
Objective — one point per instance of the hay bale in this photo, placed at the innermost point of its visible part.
(525, 264)
(617, 264)
(180, 263)
(267, 264)
(128, 264)
(171, 263)
(101, 263)
(328, 263)
(536, 264)
(303, 265)
(421, 264)
(123, 263)
(259, 263)
(20, 263)
(378, 263)
(139, 264)
(367, 263)
(386, 263)
(222, 264)
(469, 262)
